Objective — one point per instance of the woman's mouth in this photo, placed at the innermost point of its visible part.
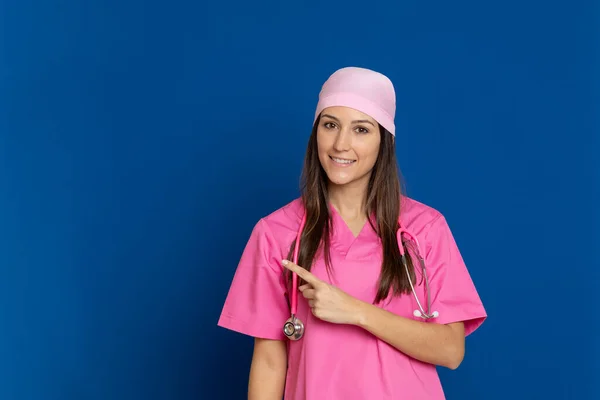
(342, 162)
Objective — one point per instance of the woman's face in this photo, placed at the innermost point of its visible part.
(348, 145)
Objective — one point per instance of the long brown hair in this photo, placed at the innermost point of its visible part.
(382, 202)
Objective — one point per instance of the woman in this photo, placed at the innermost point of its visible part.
(362, 337)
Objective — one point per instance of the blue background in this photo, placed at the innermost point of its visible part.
(140, 142)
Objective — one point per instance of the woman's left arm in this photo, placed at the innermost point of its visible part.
(429, 342)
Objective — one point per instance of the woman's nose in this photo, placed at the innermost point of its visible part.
(343, 141)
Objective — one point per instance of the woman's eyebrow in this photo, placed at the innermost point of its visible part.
(358, 121)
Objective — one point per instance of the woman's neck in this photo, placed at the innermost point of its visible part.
(348, 200)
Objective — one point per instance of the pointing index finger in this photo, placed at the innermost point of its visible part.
(301, 272)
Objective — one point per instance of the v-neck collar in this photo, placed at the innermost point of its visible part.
(342, 238)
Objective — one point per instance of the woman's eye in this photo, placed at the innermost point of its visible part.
(329, 125)
(362, 130)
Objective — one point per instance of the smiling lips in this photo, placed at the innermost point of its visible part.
(342, 162)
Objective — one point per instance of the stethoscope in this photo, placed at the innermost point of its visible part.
(294, 328)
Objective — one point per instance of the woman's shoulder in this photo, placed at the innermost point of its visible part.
(281, 225)
(288, 216)
(417, 216)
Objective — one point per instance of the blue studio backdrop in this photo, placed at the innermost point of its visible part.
(141, 141)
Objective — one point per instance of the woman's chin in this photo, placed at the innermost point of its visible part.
(340, 179)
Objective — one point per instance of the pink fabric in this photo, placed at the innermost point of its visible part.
(362, 89)
(344, 362)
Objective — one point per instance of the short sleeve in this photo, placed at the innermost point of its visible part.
(453, 293)
(256, 304)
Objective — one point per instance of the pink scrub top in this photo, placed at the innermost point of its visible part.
(345, 362)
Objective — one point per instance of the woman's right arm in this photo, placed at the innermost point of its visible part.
(268, 370)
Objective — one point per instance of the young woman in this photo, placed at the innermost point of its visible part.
(369, 322)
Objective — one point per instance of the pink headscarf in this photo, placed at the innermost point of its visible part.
(364, 90)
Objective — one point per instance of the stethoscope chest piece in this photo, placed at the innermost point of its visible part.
(293, 328)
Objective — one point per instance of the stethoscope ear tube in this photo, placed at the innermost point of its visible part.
(420, 312)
